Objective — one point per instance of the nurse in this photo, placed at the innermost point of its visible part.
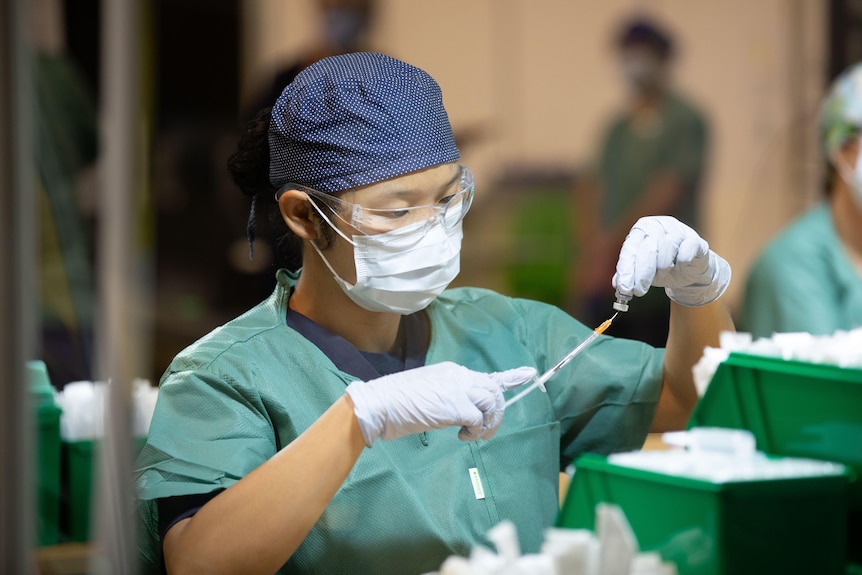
(809, 278)
(353, 422)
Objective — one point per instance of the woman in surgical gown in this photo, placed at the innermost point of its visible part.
(354, 421)
(809, 278)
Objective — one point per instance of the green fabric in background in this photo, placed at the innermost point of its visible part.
(543, 233)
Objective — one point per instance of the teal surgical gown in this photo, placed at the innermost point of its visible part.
(233, 399)
(803, 281)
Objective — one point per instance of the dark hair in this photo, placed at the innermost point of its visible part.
(643, 32)
(249, 169)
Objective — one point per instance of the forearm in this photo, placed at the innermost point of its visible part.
(257, 524)
(691, 329)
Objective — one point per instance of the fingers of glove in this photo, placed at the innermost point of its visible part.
(711, 285)
(484, 397)
(694, 253)
(469, 433)
(693, 248)
(646, 264)
(468, 408)
(624, 278)
(495, 417)
(472, 423)
(667, 250)
(491, 427)
(689, 263)
(489, 400)
(512, 378)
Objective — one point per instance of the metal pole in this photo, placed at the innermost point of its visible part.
(116, 544)
(18, 233)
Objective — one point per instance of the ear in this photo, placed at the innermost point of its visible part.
(298, 214)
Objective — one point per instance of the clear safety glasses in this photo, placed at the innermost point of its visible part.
(449, 211)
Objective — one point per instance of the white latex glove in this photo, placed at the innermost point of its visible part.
(433, 397)
(664, 252)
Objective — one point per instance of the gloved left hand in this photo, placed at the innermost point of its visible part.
(661, 251)
(434, 397)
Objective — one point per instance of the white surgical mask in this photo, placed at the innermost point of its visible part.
(403, 270)
(643, 71)
(853, 177)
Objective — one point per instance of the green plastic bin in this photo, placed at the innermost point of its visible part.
(786, 526)
(794, 409)
(79, 473)
(47, 441)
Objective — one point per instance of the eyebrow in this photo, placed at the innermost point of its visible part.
(401, 192)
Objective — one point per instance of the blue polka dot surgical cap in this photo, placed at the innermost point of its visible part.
(357, 119)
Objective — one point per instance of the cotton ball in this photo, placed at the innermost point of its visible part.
(144, 398)
(455, 565)
(504, 536)
(734, 341)
(81, 417)
(532, 565)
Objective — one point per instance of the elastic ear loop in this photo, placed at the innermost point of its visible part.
(317, 249)
(328, 221)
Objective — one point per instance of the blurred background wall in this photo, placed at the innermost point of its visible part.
(530, 86)
(540, 77)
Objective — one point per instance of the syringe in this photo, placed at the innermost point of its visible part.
(540, 381)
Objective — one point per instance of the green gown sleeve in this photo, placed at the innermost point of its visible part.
(208, 431)
(605, 399)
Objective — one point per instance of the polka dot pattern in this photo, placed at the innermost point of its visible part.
(357, 119)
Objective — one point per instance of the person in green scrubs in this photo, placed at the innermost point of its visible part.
(651, 160)
(809, 278)
(355, 421)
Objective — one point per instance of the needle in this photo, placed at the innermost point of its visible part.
(540, 381)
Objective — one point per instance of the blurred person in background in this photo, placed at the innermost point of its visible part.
(809, 278)
(353, 421)
(651, 162)
(344, 27)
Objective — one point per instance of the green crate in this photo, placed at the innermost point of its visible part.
(786, 526)
(794, 409)
(46, 418)
(79, 473)
(48, 474)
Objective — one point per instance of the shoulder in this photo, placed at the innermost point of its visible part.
(236, 341)
(799, 249)
(489, 302)
(806, 236)
(488, 312)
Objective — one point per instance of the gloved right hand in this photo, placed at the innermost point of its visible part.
(434, 397)
(662, 251)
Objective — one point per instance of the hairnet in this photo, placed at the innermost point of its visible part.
(643, 31)
(841, 112)
(355, 119)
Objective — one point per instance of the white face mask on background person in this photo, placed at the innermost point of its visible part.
(403, 270)
(642, 71)
(852, 176)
